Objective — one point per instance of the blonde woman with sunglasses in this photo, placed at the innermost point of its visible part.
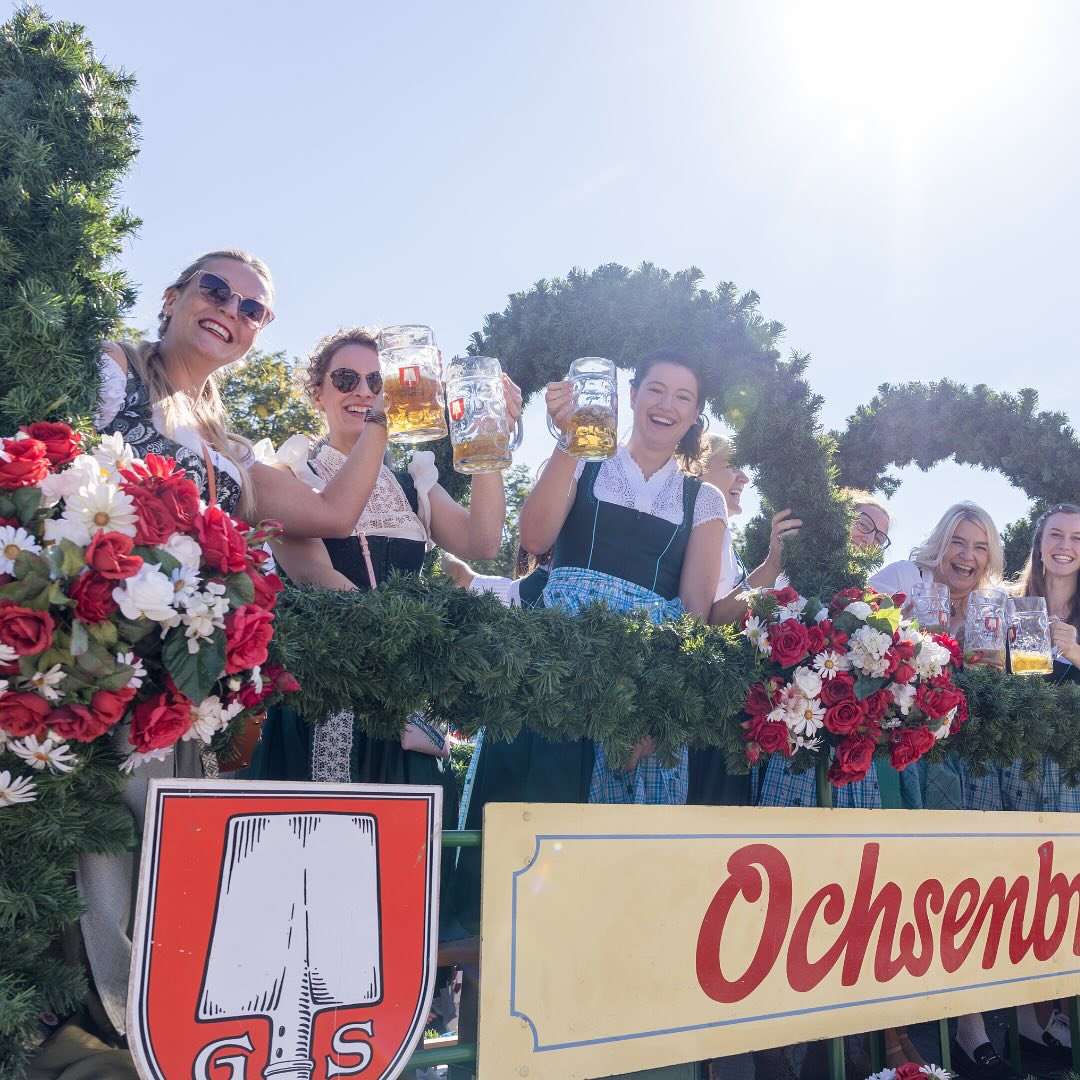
(162, 397)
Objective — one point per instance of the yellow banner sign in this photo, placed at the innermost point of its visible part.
(622, 938)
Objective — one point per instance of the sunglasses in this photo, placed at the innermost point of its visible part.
(220, 293)
(346, 380)
(865, 524)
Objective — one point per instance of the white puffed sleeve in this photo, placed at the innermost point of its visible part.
(425, 476)
(112, 393)
(710, 506)
(292, 454)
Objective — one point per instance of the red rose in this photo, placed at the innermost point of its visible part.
(934, 700)
(286, 683)
(109, 553)
(854, 756)
(845, 597)
(757, 701)
(956, 654)
(877, 705)
(841, 687)
(62, 445)
(899, 599)
(960, 717)
(27, 632)
(770, 736)
(786, 595)
(23, 463)
(23, 714)
(815, 639)
(85, 723)
(112, 704)
(909, 744)
(161, 478)
(223, 547)
(904, 673)
(93, 598)
(154, 524)
(789, 642)
(843, 718)
(160, 722)
(267, 586)
(909, 1071)
(247, 633)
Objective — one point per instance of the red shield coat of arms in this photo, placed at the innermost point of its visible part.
(285, 931)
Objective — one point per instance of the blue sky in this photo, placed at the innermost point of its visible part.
(897, 182)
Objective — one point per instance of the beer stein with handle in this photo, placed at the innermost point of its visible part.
(592, 427)
(984, 628)
(412, 384)
(1029, 636)
(479, 427)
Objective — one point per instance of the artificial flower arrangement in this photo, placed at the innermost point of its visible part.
(123, 599)
(910, 1071)
(850, 675)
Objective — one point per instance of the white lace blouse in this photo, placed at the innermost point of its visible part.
(388, 512)
(621, 482)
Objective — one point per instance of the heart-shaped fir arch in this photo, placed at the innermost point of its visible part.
(927, 423)
(623, 314)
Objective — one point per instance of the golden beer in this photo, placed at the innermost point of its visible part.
(1025, 662)
(591, 433)
(992, 658)
(489, 452)
(414, 405)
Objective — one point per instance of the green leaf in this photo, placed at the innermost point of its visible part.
(104, 633)
(72, 558)
(847, 622)
(26, 500)
(194, 673)
(865, 686)
(135, 629)
(158, 557)
(813, 606)
(239, 589)
(96, 660)
(883, 621)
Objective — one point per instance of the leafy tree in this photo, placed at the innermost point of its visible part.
(264, 401)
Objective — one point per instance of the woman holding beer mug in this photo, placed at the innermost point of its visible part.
(635, 533)
(405, 513)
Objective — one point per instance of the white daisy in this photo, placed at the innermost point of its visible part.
(210, 718)
(885, 1074)
(101, 505)
(113, 454)
(756, 633)
(185, 580)
(38, 755)
(46, 682)
(14, 539)
(129, 659)
(937, 1072)
(135, 758)
(14, 790)
(7, 656)
(828, 663)
(809, 719)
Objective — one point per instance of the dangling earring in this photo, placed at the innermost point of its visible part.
(703, 422)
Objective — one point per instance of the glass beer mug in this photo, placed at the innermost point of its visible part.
(929, 605)
(479, 427)
(1029, 636)
(984, 628)
(412, 384)
(592, 429)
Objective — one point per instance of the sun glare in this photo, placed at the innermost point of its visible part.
(905, 71)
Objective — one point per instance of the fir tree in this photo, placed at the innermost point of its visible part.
(66, 136)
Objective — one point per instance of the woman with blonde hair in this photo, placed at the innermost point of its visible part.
(963, 552)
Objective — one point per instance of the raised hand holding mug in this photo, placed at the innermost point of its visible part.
(583, 410)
